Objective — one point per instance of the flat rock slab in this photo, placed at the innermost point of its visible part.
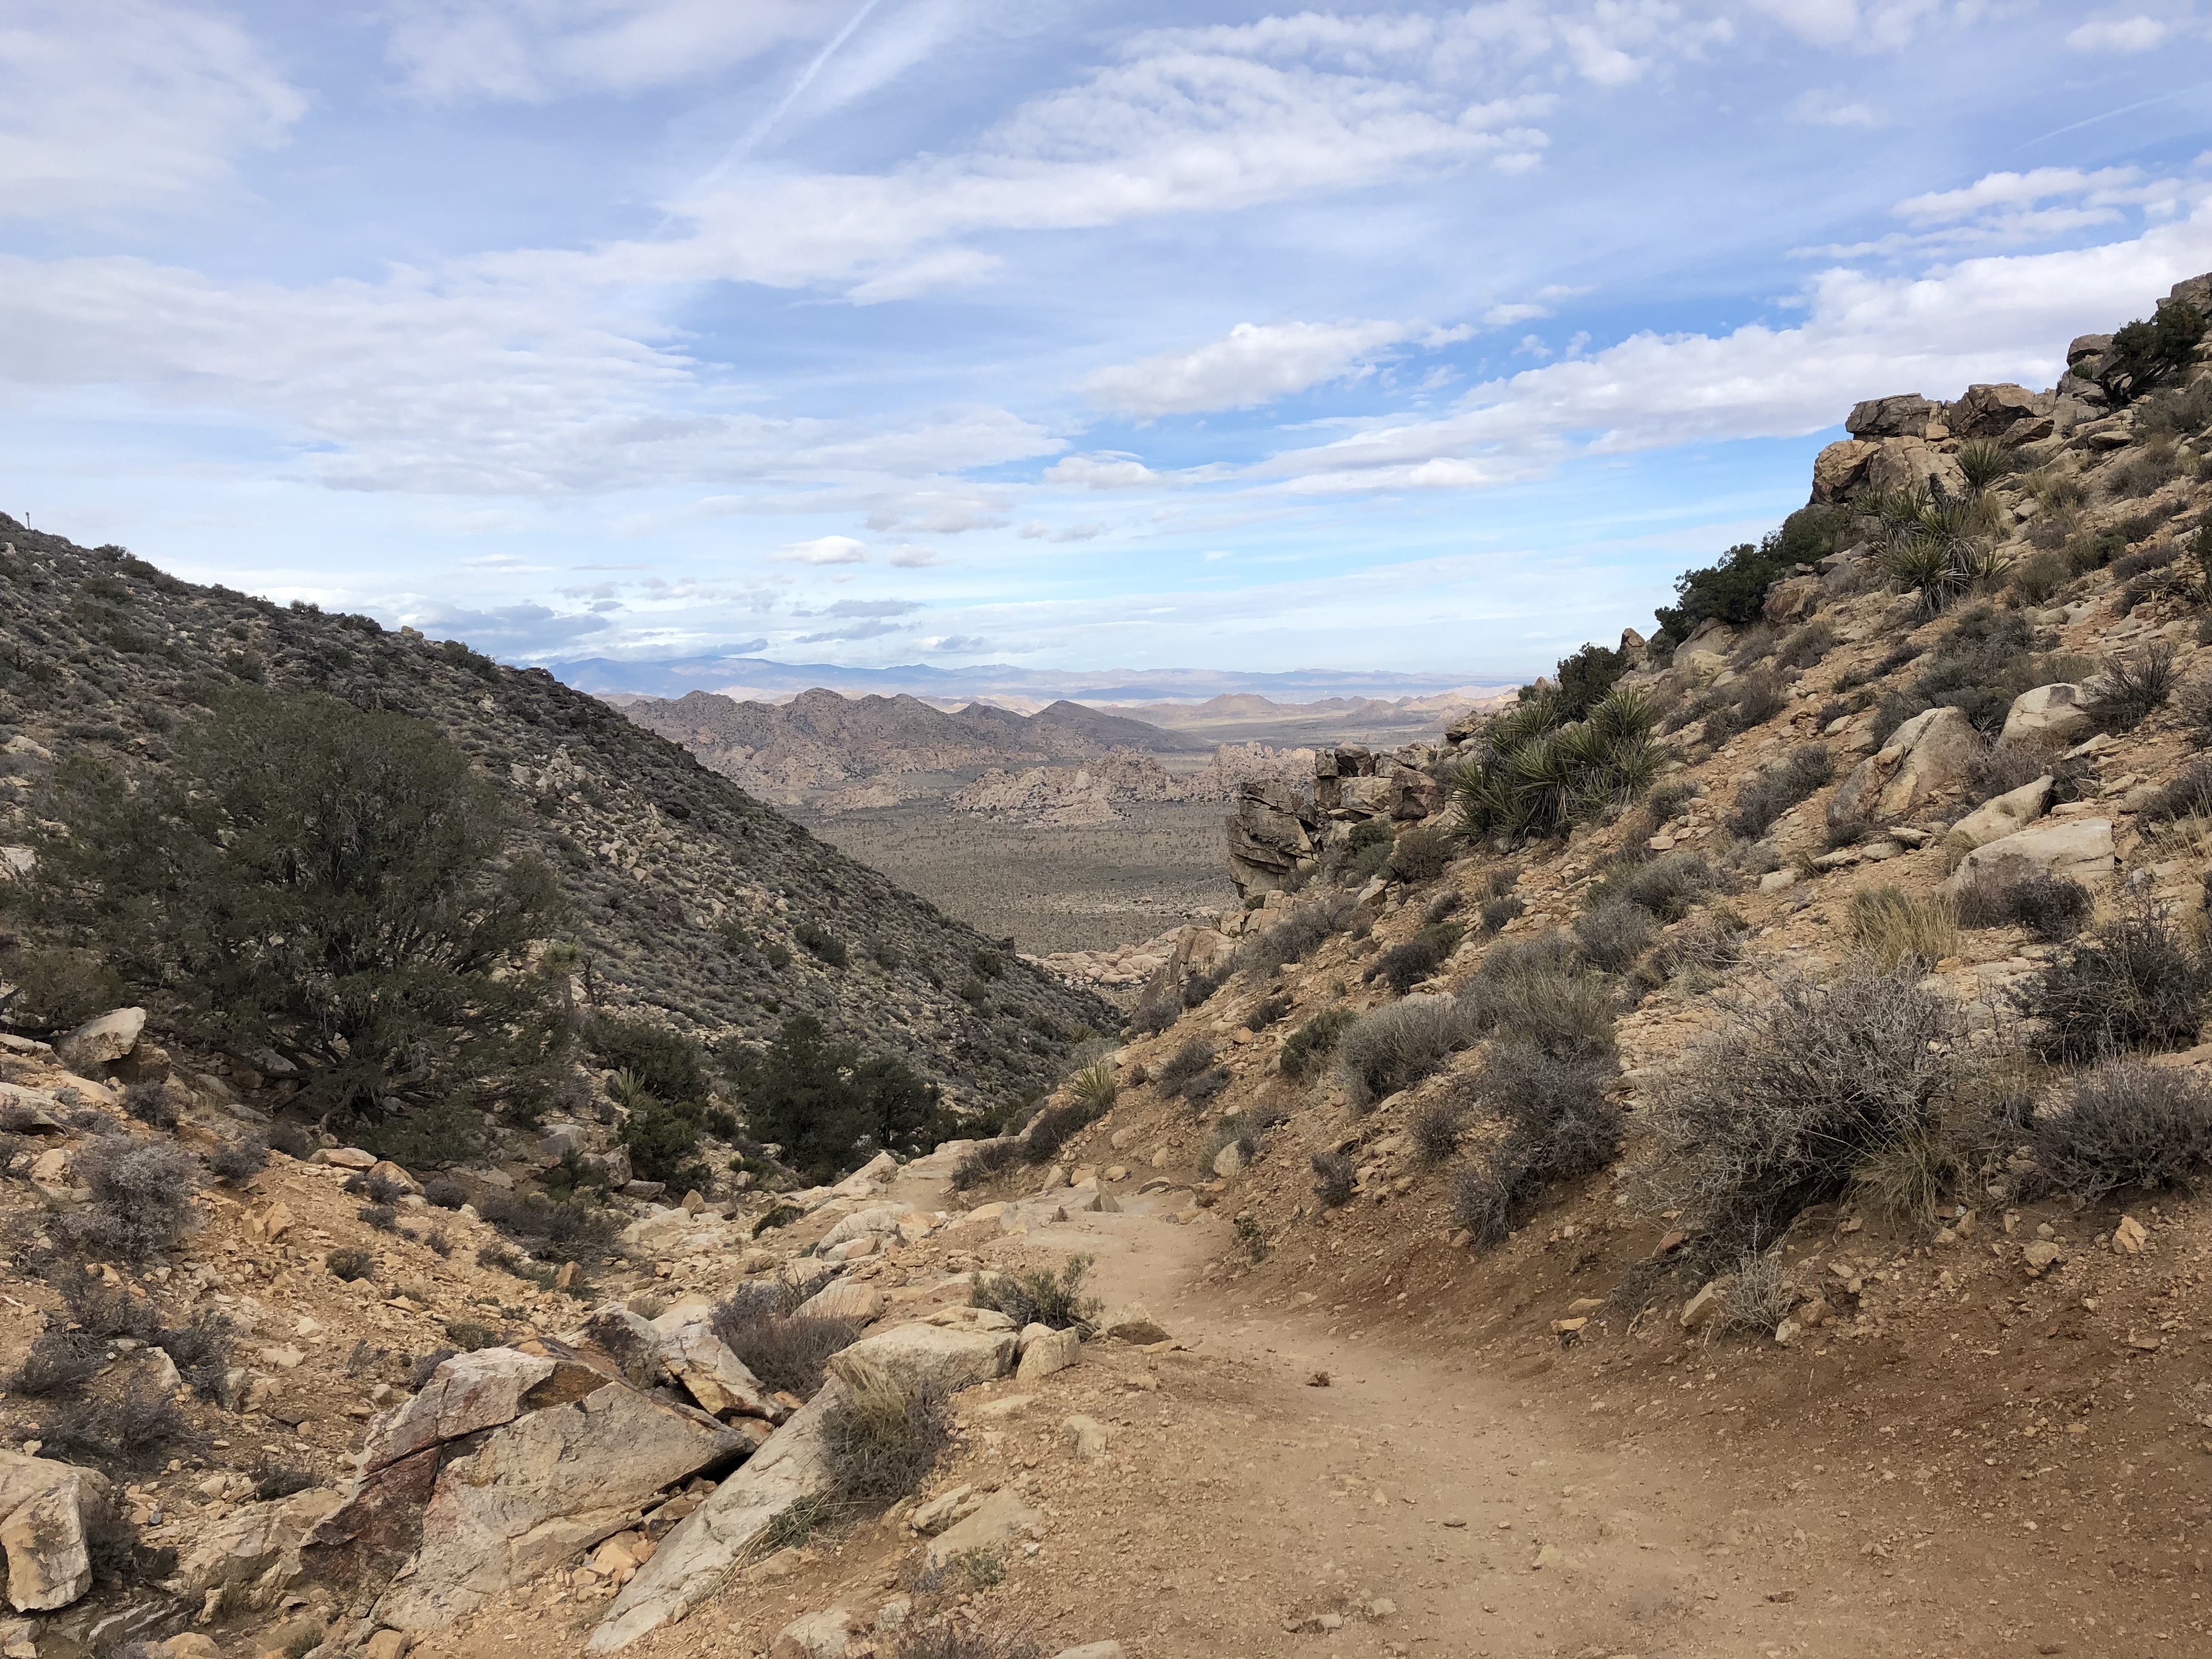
(1003, 1518)
(469, 1391)
(249, 1540)
(710, 1373)
(2077, 849)
(917, 1357)
(541, 1488)
(695, 1558)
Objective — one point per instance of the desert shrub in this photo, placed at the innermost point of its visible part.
(563, 1230)
(1293, 938)
(57, 988)
(2194, 704)
(376, 1189)
(1434, 1129)
(987, 1158)
(879, 1441)
(382, 1217)
(59, 1363)
(2143, 472)
(133, 1430)
(2135, 983)
(1038, 1295)
(1311, 1046)
(272, 1480)
(351, 1264)
(1205, 1086)
(331, 883)
(1421, 854)
(827, 1105)
(1775, 789)
(787, 1351)
(469, 1335)
(2146, 355)
(2178, 413)
(1613, 936)
(1779, 1108)
(1400, 1044)
(2039, 578)
(2187, 795)
(291, 1139)
(202, 1351)
(1758, 1296)
(141, 1199)
(1559, 1125)
(1534, 993)
(1530, 774)
(1404, 966)
(1053, 1128)
(2125, 1124)
(656, 1059)
(1898, 929)
(2052, 907)
(945, 1638)
(2005, 767)
(1581, 681)
(1365, 851)
(1186, 1062)
(239, 1161)
(1199, 987)
(1499, 911)
(1705, 944)
(1334, 1178)
(1268, 1011)
(1752, 700)
(1666, 887)
(820, 945)
(1806, 647)
(444, 1193)
(2133, 687)
(1988, 658)
(150, 1104)
(1733, 591)
(105, 1311)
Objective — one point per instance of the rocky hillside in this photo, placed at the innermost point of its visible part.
(689, 901)
(820, 743)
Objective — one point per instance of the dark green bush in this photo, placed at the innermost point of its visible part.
(2050, 907)
(1528, 775)
(1613, 936)
(1421, 854)
(668, 1065)
(1309, 1046)
(351, 1264)
(826, 1105)
(820, 945)
(1404, 966)
(1334, 1178)
(2146, 356)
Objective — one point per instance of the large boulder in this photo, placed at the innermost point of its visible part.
(100, 1042)
(1904, 464)
(2049, 714)
(1270, 845)
(2077, 849)
(713, 1376)
(1909, 415)
(469, 1391)
(44, 1507)
(843, 1298)
(2004, 815)
(881, 1218)
(1840, 469)
(1990, 411)
(1927, 756)
(912, 1357)
(791, 1468)
(1003, 1518)
(540, 1489)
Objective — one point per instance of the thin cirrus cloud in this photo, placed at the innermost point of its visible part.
(2119, 34)
(822, 551)
(1255, 363)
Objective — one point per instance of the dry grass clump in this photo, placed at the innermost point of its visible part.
(1559, 1126)
(2052, 907)
(1775, 789)
(1311, 1046)
(879, 1441)
(2133, 686)
(1398, 1045)
(2126, 1124)
(1334, 1178)
(1535, 993)
(1038, 1295)
(1782, 1105)
(1898, 929)
(788, 1352)
(1613, 936)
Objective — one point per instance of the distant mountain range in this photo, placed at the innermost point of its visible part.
(1003, 684)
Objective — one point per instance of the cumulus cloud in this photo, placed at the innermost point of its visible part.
(2014, 189)
(823, 549)
(915, 558)
(514, 628)
(956, 645)
(1109, 469)
(865, 608)
(2121, 34)
(859, 630)
(938, 512)
(1038, 530)
(1997, 318)
(116, 107)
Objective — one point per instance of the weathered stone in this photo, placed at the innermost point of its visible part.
(1229, 1161)
(390, 1174)
(2040, 1256)
(98, 1042)
(1133, 1324)
(710, 1373)
(1907, 415)
(816, 1636)
(1269, 842)
(1839, 470)
(694, 1558)
(1047, 1354)
(2077, 849)
(349, 1157)
(942, 1510)
(997, 1523)
(242, 1546)
(2129, 1236)
(385, 1644)
(45, 1506)
(880, 1219)
(1087, 1436)
(1707, 1305)
(1908, 464)
(1091, 1650)
(843, 1298)
(2004, 815)
(1990, 411)
(469, 1391)
(2053, 714)
(541, 1488)
(1929, 755)
(911, 1357)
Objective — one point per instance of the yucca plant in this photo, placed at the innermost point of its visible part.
(1983, 461)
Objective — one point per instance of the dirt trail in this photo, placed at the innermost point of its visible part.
(1499, 1524)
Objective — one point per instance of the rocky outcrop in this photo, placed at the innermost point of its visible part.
(914, 1358)
(100, 1042)
(1908, 416)
(1926, 757)
(2005, 815)
(2053, 714)
(251, 1547)
(1270, 844)
(46, 1508)
(694, 1558)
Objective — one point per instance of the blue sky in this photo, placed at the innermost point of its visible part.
(1076, 334)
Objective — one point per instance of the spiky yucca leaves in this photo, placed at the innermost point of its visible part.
(1535, 777)
(1939, 545)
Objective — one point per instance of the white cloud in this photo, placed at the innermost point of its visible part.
(823, 549)
(1999, 317)
(2012, 190)
(1505, 316)
(1816, 108)
(1876, 25)
(1036, 531)
(939, 512)
(533, 50)
(956, 645)
(2126, 34)
(1252, 364)
(1111, 471)
(865, 608)
(109, 107)
(914, 558)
